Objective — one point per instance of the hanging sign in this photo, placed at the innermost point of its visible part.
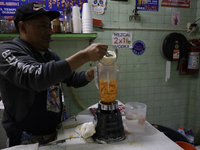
(122, 40)
(138, 47)
(147, 5)
(8, 7)
(176, 3)
(99, 6)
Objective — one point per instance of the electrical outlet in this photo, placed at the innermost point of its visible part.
(131, 18)
(134, 18)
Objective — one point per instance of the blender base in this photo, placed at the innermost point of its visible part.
(109, 125)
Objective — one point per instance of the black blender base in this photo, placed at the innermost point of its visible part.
(109, 127)
(105, 141)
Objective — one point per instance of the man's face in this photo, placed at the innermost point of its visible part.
(38, 32)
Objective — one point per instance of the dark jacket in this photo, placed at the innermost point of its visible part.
(25, 76)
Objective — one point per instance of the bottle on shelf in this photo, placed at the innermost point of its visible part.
(56, 25)
(3, 25)
(67, 19)
(11, 25)
(180, 130)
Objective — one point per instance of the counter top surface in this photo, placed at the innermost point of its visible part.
(152, 139)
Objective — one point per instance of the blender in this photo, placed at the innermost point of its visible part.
(108, 120)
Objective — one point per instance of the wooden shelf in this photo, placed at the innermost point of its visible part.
(55, 36)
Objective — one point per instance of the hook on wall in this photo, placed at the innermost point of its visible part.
(135, 16)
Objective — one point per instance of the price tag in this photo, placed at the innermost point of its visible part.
(122, 40)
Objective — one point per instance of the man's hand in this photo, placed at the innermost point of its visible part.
(93, 52)
(89, 74)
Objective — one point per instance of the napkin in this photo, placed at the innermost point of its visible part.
(86, 130)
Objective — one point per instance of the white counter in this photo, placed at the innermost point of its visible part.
(151, 140)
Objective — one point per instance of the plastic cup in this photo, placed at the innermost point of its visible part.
(135, 117)
(75, 11)
(87, 31)
(87, 27)
(87, 21)
(87, 24)
(86, 12)
(76, 25)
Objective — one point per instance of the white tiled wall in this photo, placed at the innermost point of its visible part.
(173, 103)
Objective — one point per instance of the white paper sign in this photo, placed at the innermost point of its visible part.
(175, 18)
(122, 40)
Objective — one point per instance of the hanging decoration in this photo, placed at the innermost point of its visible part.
(99, 6)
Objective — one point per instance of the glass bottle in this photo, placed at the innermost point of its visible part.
(68, 21)
(56, 25)
(11, 25)
(3, 25)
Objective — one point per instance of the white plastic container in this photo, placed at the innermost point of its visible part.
(135, 117)
(87, 24)
(76, 25)
(180, 130)
(76, 19)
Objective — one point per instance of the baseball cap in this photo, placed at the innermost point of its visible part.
(29, 10)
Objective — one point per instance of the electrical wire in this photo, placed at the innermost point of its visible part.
(195, 21)
(76, 98)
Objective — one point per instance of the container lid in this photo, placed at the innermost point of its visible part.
(10, 18)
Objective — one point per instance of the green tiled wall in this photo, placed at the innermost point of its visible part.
(173, 103)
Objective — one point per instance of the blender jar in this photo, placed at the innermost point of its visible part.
(106, 78)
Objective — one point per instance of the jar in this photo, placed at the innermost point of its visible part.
(56, 25)
(11, 25)
(68, 21)
(3, 25)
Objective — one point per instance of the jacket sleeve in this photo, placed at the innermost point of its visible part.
(21, 69)
(77, 79)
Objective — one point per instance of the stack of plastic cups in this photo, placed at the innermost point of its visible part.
(87, 25)
(76, 19)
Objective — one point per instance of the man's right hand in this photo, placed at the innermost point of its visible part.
(95, 51)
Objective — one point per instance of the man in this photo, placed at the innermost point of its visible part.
(30, 74)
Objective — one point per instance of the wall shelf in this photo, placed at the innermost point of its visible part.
(55, 36)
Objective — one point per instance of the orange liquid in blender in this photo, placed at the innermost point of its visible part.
(108, 91)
